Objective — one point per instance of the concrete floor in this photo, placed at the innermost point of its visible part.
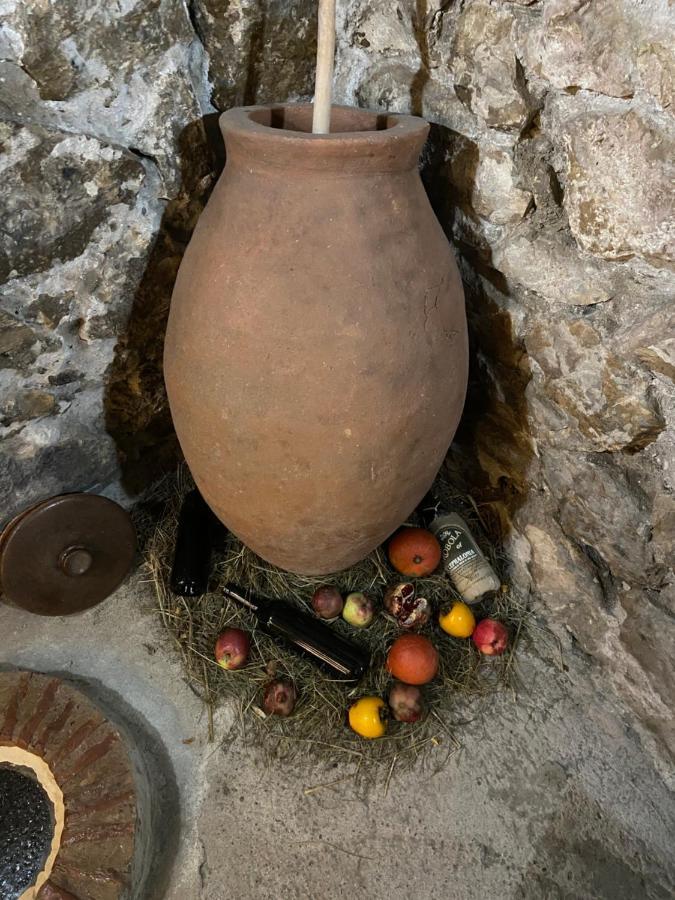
(550, 797)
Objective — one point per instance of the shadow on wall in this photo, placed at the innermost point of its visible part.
(492, 451)
(136, 408)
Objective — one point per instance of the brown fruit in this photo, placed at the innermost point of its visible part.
(414, 552)
(279, 697)
(413, 659)
(327, 601)
(405, 702)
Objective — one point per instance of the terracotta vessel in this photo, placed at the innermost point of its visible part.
(316, 353)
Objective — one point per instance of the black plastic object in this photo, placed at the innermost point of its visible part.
(307, 635)
(197, 531)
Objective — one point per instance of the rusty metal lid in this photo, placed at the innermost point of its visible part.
(65, 554)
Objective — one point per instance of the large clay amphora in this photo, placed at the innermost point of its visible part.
(316, 352)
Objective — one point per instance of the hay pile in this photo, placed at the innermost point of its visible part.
(317, 730)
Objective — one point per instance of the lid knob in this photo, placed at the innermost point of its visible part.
(76, 561)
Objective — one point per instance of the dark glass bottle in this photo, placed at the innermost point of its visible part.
(307, 635)
(197, 530)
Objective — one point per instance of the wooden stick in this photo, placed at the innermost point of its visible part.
(325, 53)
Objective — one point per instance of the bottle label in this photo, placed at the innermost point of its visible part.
(458, 546)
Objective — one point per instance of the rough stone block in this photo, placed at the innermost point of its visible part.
(128, 74)
(547, 262)
(589, 46)
(619, 172)
(259, 52)
(485, 67)
(586, 397)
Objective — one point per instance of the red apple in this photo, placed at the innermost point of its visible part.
(358, 610)
(279, 698)
(327, 601)
(491, 637)
(405, 702)
(232, 648)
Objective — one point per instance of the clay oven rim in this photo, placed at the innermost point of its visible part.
(360, 141)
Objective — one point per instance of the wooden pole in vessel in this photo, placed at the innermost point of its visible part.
(325, 54)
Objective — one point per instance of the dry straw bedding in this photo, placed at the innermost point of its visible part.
(317, 730)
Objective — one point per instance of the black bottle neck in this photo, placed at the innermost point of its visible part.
(430, 508)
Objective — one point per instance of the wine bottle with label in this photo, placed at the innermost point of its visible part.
(463, 560)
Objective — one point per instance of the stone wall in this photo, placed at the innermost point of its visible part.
(93, 99)
(549, 166)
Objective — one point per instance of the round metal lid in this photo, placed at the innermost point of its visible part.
(66, 554)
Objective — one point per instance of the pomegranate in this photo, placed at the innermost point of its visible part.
(408, 610)
(412, 658)
(414, 552)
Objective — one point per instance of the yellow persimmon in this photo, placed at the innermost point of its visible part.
(367, 717)
(458, 621)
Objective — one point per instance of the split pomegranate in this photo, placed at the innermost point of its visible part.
(402, 604)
